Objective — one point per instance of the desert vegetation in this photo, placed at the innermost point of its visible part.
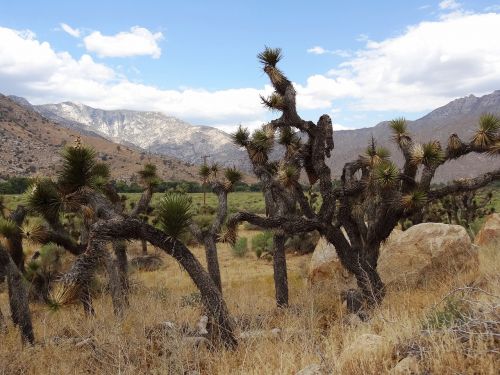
(90, 279)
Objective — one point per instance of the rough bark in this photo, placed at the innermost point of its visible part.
(18, 297)
(15, 242)
(280, 271)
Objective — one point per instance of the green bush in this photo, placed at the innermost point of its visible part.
(240, 248)
(262, 243)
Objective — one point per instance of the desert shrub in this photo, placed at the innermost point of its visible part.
(453, 312)
(204, 222)
(262, 243)
(240, 248)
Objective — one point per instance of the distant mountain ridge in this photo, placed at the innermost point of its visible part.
(167, 135)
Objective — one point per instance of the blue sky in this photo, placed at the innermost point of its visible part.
(359, 61)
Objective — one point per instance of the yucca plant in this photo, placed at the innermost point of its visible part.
(78, 168)
(488, 132)
(274, 102)
(386, 174)
(288, 175)
(204, 172)
(399, 128)
(44, 198)
(8, 228)
(232, 176)
(429, 154)
(174, 213)
(241, 136)
(413, 200)
(270, 56)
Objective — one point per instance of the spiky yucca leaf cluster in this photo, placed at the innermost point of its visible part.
(261, 144)
(241, 136)
(274, 102)
(376, 155)
(8, 228)
(288, 175)
(80, 169)
(429, 154)
(232, 176)
(148, 175)
(35, 231)
(415, 199)
(386, 174)
(488, 132)
(204, 172)
(270, 56)
(43, 197)
(399, 129)
(174, 213)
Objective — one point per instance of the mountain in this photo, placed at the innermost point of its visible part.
(459, 116)
(170, 136)
(152, 131)
(30, 145)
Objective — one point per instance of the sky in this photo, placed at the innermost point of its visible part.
(359, 61)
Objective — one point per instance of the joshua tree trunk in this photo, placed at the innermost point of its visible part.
(15, 242)
(120, 250)
(18, 298)
(144, 247)
(212, 261)
(280, 273)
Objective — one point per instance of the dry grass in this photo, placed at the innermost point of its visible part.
(314, 328)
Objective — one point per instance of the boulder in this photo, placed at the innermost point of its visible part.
(489, 234)
(325, 266)
(425, 252)
(406, 366)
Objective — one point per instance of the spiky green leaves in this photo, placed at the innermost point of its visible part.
(174, 213)
(270, 56)
(399, 129)
(204, 172)
(274, 102)
(287, 137)
(488, 132)
(386, 174)
(376, 155)
(261, 144)
(149, 175)
(429, 154)
(414, 200)
(80, 168)
(8, 228)
(288, 175)
(35, 232)
(232, 176)
(43, 197)
(241, 136)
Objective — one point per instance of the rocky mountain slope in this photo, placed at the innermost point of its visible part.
(459, 116)
(152, 131)
(170, 136)
(30, 145)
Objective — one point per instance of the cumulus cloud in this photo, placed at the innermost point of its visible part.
(318, 50)
(71, 31)
(33, 69)
(139, 41)
(426, 66)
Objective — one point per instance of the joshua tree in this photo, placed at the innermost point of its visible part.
(373, 194)
(462, 209)
(209, 237)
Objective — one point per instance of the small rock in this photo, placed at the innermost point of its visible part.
(489, 234)
(202, 325)
(408, 365)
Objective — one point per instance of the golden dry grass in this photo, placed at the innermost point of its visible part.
(314, 328)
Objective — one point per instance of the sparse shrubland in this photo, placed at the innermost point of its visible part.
(195, 302)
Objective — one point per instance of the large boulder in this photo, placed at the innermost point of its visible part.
(325, 267)
(489, 234)
(426, 252)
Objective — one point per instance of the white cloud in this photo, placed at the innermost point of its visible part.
(449, 4)
(68, 29)
(139, 41)
(35, 70)
(318, 50)
(428, 65)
